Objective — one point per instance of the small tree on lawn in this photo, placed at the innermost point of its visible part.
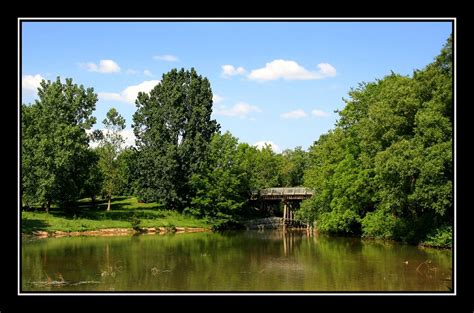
(109, 149)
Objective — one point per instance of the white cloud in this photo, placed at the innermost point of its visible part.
(290, 70)
(147, 73)
(319, 113)
(166, 57)
(294, 114)
(130, 93)
(216, 99)
(240, 109)
(92, 144)
(31, 82)
(110, 96)
(230, 70)
(105, 66)
(127, 135)
(131, 72)
(261, 144)
(327, 70)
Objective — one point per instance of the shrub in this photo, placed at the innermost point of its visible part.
(441, 237)
(378, 224)
(226, 224)
(346, 222)
(136, 223)
(170, 228)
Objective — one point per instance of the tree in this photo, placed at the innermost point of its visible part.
(127, 162)
(266, 165)
(55, 143)
(93, 183)
(109, 150)
(293, 165)
(386, 169)
(173, 127)
(221, 189)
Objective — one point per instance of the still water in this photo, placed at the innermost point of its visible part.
(241, 261)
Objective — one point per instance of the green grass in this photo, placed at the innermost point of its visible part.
(87, 217)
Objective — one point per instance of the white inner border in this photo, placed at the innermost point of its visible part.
(211, 19)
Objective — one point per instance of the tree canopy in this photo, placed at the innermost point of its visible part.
(386, 170)
(173, 127)
(55, 157)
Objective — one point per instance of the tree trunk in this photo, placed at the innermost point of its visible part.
(93, 201)
(108, 205)
(48, 205)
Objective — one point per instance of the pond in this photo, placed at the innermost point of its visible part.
(253, 261)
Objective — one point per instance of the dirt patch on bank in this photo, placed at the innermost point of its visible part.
(117, 232)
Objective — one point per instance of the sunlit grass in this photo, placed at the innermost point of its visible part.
(93, 218)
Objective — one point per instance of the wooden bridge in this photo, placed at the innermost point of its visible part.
(286, 193)
(290, 196)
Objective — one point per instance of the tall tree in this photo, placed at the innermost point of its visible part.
(55, 143)
(109, 150)
(222, 189)
(128, 171)
(386, 170)
(93, 184)
(173, 127)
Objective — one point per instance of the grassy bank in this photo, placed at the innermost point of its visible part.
(88, 217)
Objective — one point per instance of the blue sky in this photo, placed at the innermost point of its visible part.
(277, 82)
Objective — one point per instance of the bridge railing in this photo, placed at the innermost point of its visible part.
(286, 191)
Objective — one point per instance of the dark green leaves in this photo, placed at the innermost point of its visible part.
(173, 127)
(55, 156)
(388, 165)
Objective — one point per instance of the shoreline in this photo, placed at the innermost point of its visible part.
(116, 232)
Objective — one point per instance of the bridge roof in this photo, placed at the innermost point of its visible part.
(283, 191)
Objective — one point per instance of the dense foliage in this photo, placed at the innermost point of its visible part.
(386, 170)
(221, 189)
(173, 127)
(55, 152)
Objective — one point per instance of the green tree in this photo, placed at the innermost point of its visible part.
(386, 169)
(127, 162)
(109, 149)
(266, 165)
(173, 127)
(94, 179)
(55, 145)
(293, 165)
(221, 189)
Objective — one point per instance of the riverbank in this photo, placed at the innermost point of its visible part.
(116, 232)
(126, 215)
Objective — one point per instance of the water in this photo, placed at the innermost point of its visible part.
(244, 261)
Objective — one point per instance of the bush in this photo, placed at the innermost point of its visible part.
(192, 212)
(226, 224)
(136, 223)
(346, 222)
(414, 229)
(378, 224)
(441, 237)
(170, 228)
